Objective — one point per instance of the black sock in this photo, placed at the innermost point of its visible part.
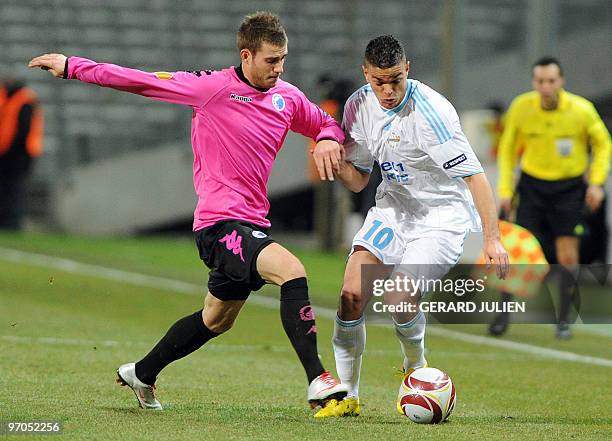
(299, 324)
(567, 285)
(506, 297)
(185, 336)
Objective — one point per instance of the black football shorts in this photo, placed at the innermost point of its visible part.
(550, 209)
(230, 249)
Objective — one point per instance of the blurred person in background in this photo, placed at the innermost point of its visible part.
(550, 130)
(241, 116)
(21, 133)
(495, 126)
(331, 204)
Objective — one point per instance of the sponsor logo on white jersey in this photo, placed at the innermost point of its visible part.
(453, 162)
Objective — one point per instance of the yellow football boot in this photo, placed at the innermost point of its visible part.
(343, 408)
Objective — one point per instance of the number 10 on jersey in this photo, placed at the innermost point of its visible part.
(382, 238)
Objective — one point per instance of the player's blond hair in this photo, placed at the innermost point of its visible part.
(260, 27)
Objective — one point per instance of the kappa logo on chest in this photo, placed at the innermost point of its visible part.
(240, 98)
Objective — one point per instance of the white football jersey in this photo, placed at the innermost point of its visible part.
(422, 153)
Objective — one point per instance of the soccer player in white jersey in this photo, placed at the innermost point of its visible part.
(432, 186)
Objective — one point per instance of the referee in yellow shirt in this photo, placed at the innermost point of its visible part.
(550, 130)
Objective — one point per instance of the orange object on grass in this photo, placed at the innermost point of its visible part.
(528, 266)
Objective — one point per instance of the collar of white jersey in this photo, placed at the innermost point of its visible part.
(410, 88)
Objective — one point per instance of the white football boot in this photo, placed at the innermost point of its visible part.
(126, 376)
(324, 388)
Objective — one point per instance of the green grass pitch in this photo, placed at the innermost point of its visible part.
(63, 334)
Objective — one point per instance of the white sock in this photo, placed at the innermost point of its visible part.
(412, 340)
(349, 341)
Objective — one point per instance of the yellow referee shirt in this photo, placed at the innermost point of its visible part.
(552, 144)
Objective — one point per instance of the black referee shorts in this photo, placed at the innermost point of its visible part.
(550, 209)
(230, 249)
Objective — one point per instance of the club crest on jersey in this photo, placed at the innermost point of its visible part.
(278, 102)
(453, 162)
(394, 138)
(242, 99)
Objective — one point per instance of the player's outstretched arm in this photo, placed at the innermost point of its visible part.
(173, 87)
(494, 251)
(353, 178)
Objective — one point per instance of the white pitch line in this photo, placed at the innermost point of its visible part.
(143, 280)
(66, 341)
(522, 347)
(221, 347)
(74, 267)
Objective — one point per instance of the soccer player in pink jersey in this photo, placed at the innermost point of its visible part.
(241, 116)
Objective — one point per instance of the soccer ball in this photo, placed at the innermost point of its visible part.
(427, 396)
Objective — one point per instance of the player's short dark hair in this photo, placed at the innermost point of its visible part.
(260, 27)
(384, 52)
(547, 61)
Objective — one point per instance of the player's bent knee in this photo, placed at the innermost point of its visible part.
(221, 326)
(219, 319)
(351, 300)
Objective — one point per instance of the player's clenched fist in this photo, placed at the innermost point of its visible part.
(54, 63)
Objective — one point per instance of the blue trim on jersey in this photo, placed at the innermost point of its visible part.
(429, 117)
(431, 123)
(436, 115)
(370, 248)
(432, 117)
(471, 174)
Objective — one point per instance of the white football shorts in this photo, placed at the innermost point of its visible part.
(423, 252)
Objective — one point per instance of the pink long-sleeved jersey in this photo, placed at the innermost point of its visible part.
(236, 131)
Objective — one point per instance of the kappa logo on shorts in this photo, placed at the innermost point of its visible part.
(455, 161)
(233, 243)
(259, 234)
(278, 102)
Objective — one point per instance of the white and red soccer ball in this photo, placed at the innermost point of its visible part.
(427, 396)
